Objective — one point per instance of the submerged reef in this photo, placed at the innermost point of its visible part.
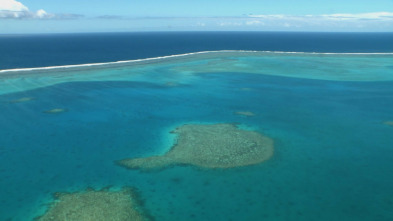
(55, 111)
(389, 123)
(246, 89)
(171, 84)
(23, 99)
(245, 113)
(209, 146)
(96, 205)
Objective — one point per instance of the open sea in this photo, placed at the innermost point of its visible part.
(325, 99)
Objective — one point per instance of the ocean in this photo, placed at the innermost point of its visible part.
(325, 100)
(42, 50)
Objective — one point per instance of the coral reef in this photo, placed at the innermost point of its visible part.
(389, 123)
(102, 205)
(55, 111)
(23, 99)
(245, 113)
(209, 146)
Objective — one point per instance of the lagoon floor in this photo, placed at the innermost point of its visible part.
(64, 129)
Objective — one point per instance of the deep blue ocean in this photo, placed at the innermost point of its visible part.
(43, 50)
(330, 117)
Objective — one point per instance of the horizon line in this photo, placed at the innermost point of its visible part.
(172, 31)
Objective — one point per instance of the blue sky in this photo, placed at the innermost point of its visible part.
(54, 16)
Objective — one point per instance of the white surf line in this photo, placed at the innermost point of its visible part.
(182, 55)
(115, 62)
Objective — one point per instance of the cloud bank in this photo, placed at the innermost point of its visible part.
(373, 20)
(382, 16)
(12, 9)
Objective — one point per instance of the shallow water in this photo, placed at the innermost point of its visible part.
(333, 154)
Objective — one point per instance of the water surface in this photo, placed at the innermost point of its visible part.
(325, 112)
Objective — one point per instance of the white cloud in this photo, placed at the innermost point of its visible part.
(337, 22)
(12, 9)
(370, 16)
(41, 13)
(376, 21)
(383, 16)
(12, 5)
(254, 22)
(229, 23)
(269, 16)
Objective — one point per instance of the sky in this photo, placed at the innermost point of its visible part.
(71, 16)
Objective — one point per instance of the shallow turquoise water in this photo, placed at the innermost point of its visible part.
(333, 154)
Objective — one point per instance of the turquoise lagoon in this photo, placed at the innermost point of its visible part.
(62, 129)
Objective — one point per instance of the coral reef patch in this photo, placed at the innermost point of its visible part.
(209, 146)
(101, 205)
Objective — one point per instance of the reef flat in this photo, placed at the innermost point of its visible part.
(99, 205)
(209, 146)
(324, 66)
